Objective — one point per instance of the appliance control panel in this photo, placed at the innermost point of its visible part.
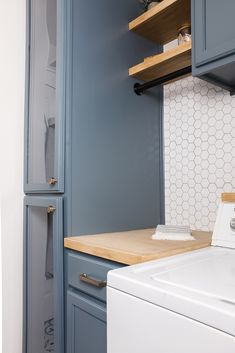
(224, 231)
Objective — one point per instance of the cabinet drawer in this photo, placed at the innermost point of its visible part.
(86, 272)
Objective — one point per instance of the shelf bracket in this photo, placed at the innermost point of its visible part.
(140, 88)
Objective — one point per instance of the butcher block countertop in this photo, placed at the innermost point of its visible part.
(135, 246)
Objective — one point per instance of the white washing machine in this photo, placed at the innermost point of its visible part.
(181, 304)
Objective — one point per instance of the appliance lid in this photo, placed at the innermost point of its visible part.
(199, 285)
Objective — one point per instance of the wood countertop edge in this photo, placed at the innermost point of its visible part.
(112, 254)
(126, 257)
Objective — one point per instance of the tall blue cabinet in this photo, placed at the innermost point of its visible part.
(44, 177)
(113, 137)
(93, 153)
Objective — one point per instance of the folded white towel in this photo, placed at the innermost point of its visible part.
(164, 232)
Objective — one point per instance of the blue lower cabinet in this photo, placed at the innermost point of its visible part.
(85, 287)
(43, 275)
(86, 324)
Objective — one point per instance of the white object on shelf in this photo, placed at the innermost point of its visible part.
(164, 232)
(153, 4)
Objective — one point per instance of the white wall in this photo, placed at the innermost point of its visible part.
(12, 67)
(0, 281)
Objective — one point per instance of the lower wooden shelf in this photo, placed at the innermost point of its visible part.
(163, 64)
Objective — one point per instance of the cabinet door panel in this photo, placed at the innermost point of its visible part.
(43, 272)
(213, 29)
(43, 118)
(86, 325)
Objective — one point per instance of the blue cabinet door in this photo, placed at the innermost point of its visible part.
(44, 106)
(86, 324)
(213, 33)
(213, 28)
(43, 275)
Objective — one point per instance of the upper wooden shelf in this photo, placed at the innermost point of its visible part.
(162, 23)
(163, 64)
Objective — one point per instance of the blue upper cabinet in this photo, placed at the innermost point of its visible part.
(214, 41)
(44, 106)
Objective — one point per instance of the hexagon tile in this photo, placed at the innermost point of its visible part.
(199, 128)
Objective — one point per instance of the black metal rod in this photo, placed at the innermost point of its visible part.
(140, 88)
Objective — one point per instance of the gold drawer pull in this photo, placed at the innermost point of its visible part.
(93, 282)
(52, 181)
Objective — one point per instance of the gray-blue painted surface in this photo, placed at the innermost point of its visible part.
(114, 169)
(114, 159)
(43, 310)
(31, 186)
(85, 305)
(86, 329)
(214, 42)
(96, 268)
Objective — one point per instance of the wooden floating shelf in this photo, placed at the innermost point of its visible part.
(162, 23)
(228, 197)
(163, 64)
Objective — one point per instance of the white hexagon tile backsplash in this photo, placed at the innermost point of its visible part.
(199, 128)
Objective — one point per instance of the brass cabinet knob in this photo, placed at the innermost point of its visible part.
(52, 181)
(50, 209)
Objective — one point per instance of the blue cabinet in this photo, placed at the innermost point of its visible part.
(45, 98)
(214, 41)
(114, 151)
(86, 324)
(79, 264)
(85, 288)
(44, 173)
(89, 137)
(43, 275)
